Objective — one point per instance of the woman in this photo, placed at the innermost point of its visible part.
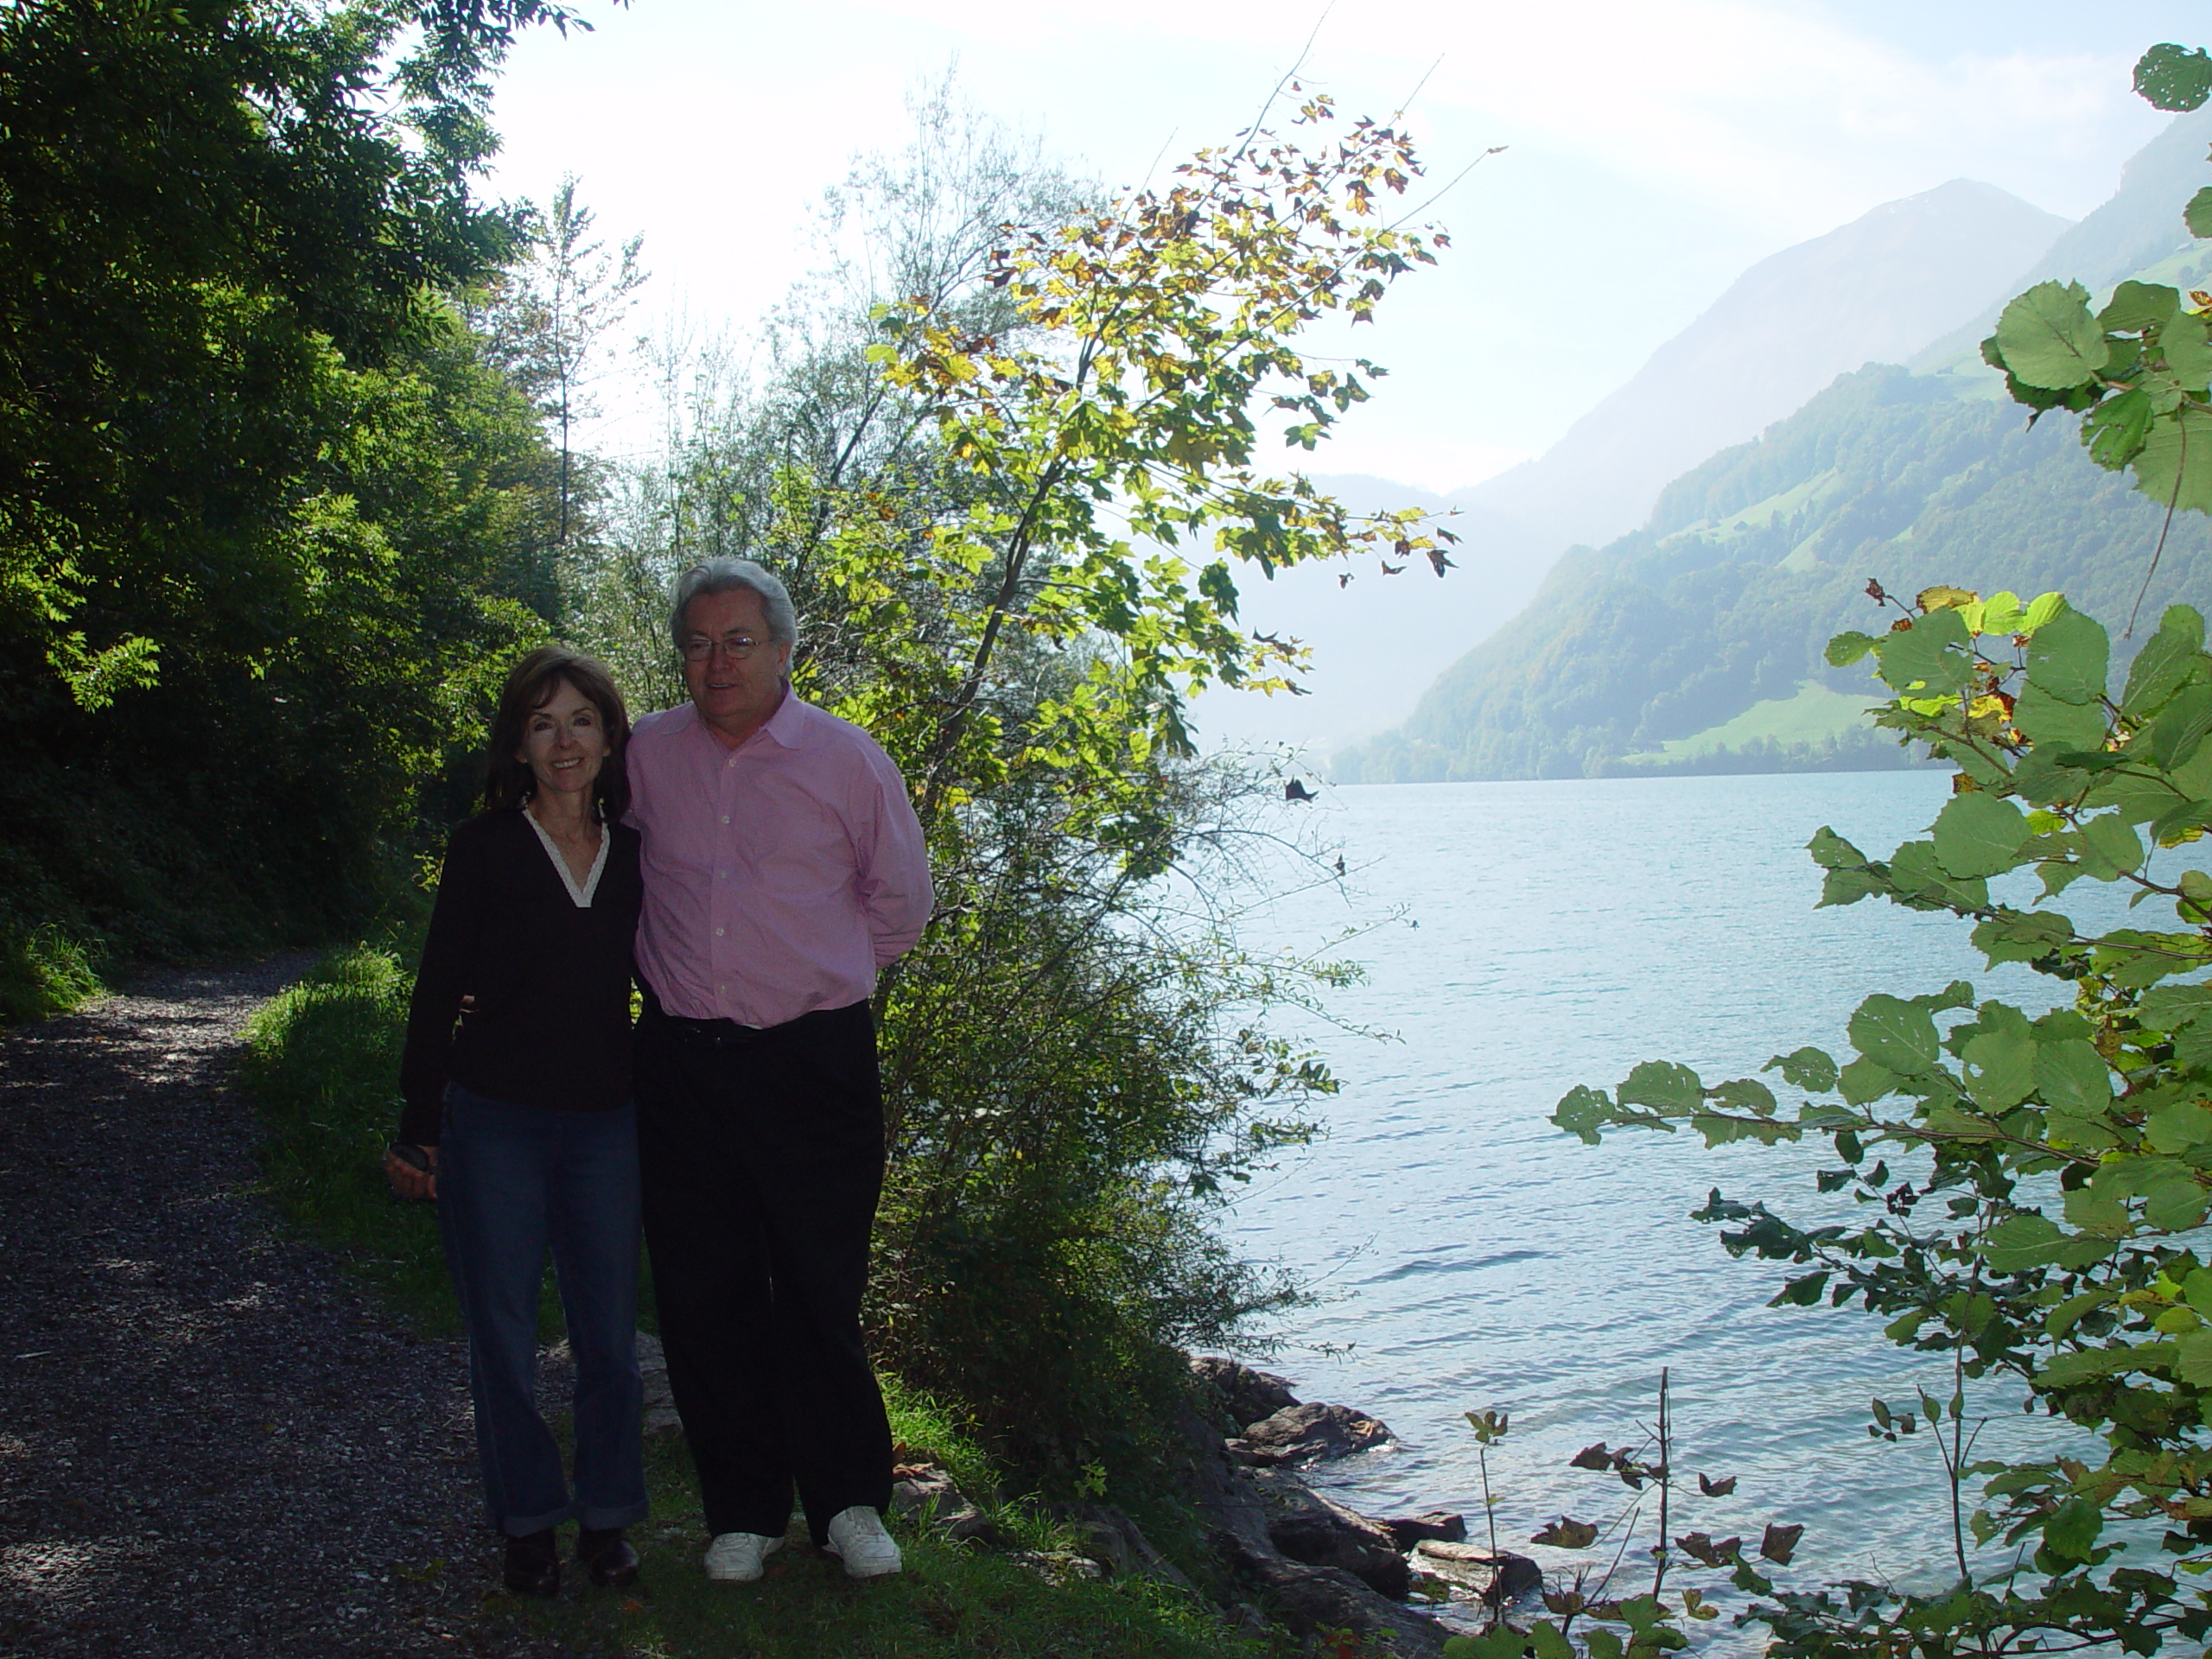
(519, 1123)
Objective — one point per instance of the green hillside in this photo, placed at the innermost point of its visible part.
(1690, 644)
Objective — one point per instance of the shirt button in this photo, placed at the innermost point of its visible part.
(722, 875)
(731, 761)
(725, 817)
(718, 932)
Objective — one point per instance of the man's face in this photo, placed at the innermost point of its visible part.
(735, 695)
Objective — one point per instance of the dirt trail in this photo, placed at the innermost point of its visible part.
(209, 1442)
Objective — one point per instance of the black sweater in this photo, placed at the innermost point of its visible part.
(549, 1022)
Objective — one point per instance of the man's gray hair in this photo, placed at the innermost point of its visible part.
(724, 575)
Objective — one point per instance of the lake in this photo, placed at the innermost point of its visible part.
(1539, 935)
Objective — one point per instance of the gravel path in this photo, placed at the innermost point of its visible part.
(209, 1442)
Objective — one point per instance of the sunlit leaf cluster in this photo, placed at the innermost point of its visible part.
(2029, 1185)
(1114, 424)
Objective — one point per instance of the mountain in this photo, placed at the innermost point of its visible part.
(1881, 286)
(2137, 230)
(1694, 642)
(1876, 290)
(1715, 614)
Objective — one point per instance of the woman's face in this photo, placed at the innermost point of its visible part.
(565, 742)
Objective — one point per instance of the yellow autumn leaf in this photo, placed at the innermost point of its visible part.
(1943, 599)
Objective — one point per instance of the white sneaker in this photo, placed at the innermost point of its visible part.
(737, 1557)
(856, 1535)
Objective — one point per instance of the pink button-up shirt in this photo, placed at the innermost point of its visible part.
(780, 875)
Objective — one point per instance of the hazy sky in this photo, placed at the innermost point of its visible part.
(1654, 149)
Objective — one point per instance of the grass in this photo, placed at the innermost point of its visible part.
(43, 972)
(1814, 714)
(952, 1601)
(321, 1068)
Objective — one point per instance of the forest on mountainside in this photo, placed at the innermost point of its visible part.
(1752, 561)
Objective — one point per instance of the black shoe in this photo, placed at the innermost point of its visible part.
(608, 1556)
(534, 1565)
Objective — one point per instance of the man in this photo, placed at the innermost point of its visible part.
(783, 866)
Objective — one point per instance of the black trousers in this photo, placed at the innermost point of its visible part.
(760, 1156)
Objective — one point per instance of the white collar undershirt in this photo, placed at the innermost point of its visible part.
(583, 895)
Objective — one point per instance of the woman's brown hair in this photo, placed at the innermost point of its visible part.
(508, 780)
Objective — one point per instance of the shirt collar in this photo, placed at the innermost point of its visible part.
(788, 724)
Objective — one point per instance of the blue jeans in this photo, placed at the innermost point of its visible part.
(513, 1181)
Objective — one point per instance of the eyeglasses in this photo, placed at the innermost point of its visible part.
(735, 646)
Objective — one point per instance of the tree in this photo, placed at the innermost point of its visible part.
(258, 487)
(1001, 363)
(549, 314)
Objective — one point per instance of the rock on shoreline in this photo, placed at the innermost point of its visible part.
(1315, 1563)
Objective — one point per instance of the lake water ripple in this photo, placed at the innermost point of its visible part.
(1471, 1255)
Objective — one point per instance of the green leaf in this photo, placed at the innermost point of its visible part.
(2174, 77)
(2052, 722)
(1847, 887)
(2177, 1128)
(2194, 1362)
(1545, 1638)
(2068, 658)
(1929, 657)
(2068, 1313)
(2041, 609)
(2019, 1244)
(2135, 958)
(1864, 1081)
(2072, 1529)
(2001, 1064)
(2197, 212)
(2097, 1208)
(1602, 1644)
(2065, 1370)
(2136, 306)
(1745, 1094)
(2021, 935)
(1895, 1034)
(1848, 648)
(1978, 834)
(2175, 1203)
(1831, 851)
(2000, 614)
(2173, 1008)
(1664, 1087)
(1806, 1068)
(2168, 658)
(1958, 993)
(1803, 1291)
(2048, 338)
(2181, 727)
(1581, 1111)
(2111, 847)
(2176, 465)
(2072, 1079)
(2116, 429)
(2188, 356)
(1915, 869)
